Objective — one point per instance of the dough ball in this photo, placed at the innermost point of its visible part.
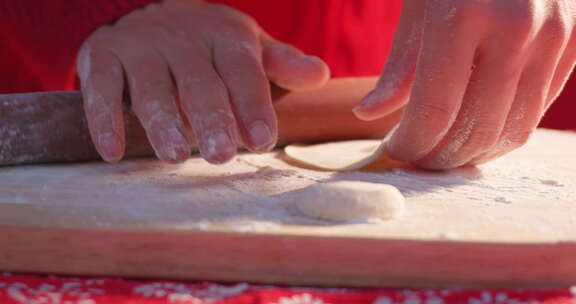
(350, 201)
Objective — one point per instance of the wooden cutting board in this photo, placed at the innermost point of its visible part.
(509, 223)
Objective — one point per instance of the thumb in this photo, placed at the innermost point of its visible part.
(291, 69)
(395, 83)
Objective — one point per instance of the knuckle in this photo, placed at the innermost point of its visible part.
(458, 150)
(99, 71)
(483, 139)
(95, 66)
(507, 143)
(154, 119)
(188, 83)
(218, 117)
(246, 70)
(432, 112)
(216, 90)
(520, 11)
(197, 92)
(148, 108)
(244, 48)
(557, 30)
(153, 87)
(183, 44)
(518, 17)
(452, 18)
(516, 139)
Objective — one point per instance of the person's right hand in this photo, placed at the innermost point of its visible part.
(188, 64)
(475, 77)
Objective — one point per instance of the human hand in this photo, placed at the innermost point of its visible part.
(189, 66)
(475, 76)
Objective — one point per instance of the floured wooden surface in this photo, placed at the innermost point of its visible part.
(509, 223)
(527, 197)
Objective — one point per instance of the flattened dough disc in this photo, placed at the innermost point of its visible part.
(342, 156)
(350, 201)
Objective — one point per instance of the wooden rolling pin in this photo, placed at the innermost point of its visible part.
(51, 127)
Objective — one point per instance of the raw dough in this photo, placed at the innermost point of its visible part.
(350, 201)
(336, 156)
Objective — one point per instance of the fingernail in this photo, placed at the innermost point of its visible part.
(362, 111)
(357, 110)
(109, 147)
(175, 147)
(367, 102)
(309, 59)
(218, 147)
(260, 136)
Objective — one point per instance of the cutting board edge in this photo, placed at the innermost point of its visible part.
(269, 259)
(288, 234)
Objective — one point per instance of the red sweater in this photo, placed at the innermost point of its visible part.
(39, 39)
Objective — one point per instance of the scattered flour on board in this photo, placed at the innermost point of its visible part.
(253, 192)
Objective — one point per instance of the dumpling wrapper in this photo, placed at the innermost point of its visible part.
(343, 155)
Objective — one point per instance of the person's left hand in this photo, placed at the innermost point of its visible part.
(475, 76)
(189, 67)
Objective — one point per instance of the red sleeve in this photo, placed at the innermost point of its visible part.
(39, 39)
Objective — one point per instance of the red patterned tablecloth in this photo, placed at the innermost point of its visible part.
(18, 289)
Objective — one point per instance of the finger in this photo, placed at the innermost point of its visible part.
(520, 123)
(393, 88)
(154, 102)
(532, 95)
(443, 72)
(289, 68)
(237, 61)
(204, 100)
(563, 70)
(482, 116)
(102, 84)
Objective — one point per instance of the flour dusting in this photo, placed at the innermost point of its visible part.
(255, 193)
